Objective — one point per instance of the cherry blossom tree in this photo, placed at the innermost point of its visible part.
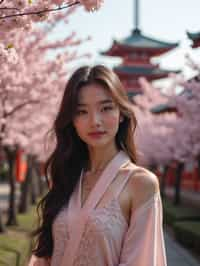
(187, 128)
(169, 137)
(156, 128)
(22, 13)
(31, 86)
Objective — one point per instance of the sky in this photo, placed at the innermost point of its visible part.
(164, 20)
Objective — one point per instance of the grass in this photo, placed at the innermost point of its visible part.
(7, 258)
(27, 222)
(15, 244)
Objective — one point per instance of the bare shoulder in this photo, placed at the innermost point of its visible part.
(144, 179)
(143, 184)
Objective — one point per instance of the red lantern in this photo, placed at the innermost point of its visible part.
(20, 166)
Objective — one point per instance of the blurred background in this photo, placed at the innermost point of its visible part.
(153, 46)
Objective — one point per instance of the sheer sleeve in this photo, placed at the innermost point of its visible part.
(35, 261)
(144, 242)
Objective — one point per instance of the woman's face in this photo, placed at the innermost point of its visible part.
(97, 116)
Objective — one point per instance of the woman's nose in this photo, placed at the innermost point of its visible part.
(95, 118)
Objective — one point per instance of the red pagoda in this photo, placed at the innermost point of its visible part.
(195, 38)
(136, 52)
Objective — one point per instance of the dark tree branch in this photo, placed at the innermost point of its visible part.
(9, 8)
(21, 106)
(39, 12)
(3, 125)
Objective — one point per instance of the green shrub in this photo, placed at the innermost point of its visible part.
(188, 233)
(174, 213)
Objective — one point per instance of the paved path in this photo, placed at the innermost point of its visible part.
(176, 255)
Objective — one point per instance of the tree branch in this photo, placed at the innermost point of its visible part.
(9, 8)
(16, 108)
(39, 12)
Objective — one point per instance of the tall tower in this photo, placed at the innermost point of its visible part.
(136, 52)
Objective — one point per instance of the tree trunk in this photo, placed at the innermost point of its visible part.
(34, 184)
(163, 181)
(25, 190)
(152, 167)
(177, 185)
(198, 160)
(2, 226)
(12, 211)
(40, 180)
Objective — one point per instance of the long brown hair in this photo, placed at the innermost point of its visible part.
(70, 155)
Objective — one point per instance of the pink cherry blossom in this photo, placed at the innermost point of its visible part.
(168, 137)
(30, 90)
(22, 13)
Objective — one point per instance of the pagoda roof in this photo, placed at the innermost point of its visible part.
(193, 36)
(147, 71)
(137, 39)
(163, 108)
(139, 42)
(131, 94)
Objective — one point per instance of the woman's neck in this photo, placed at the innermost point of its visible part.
(100, 157)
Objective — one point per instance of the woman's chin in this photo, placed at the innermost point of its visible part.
(98, 143)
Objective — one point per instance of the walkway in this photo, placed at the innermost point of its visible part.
(177, 255)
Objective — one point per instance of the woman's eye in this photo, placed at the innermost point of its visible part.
(107, 108)
(81, 112)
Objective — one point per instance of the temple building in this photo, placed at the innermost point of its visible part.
(163, 108)
(136, 52)
(195, 38)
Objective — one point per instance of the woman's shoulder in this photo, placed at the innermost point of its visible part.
(143, 184)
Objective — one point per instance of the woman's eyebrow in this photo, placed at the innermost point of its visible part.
(99, 102)
(106, 101)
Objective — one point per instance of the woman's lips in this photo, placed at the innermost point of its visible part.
(96, 134)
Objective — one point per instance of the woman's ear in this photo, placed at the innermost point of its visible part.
(121, 118)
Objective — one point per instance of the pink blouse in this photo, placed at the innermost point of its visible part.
(88, 236)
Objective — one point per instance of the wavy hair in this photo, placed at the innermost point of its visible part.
(70, 155)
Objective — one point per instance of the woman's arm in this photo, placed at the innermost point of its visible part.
(144, 243)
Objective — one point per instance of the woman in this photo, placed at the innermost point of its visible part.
(102, 209)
